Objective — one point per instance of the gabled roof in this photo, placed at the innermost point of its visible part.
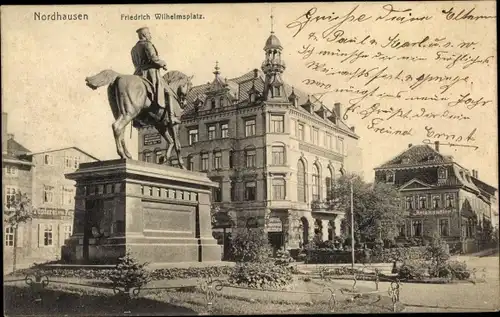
(244, 84)
(16, 148)
(483, 186)
(65, 148)
(417, 155)
(420, 185)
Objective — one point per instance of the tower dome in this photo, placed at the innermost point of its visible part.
(272, 42)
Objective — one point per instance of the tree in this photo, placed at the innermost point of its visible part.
(377, 214)
(18, 209)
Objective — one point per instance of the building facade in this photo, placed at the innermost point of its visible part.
(439, 196)
(41, 177)
(273, 150)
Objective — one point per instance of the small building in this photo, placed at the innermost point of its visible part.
(439, 196)
(273, 149)
(41, 176)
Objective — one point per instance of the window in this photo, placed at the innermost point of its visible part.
(301, 181)
(279, 189)
(250, 192)
(444, 227)
(278, 153)
(190, 163)
(204, 161)
(340, 145)
(442, 173)
(315, 183)
(402, 230)
(224, 130)
(233, 191)
(300, 131)
(389, 177)
(148, 157)
(217, 193)
(193, 136)
(211, 132)
(212, 103)
(48, 194)
(250, 127)
(315, 136)
(469, 228)
(422, 202)
(47, 235)
(277, 124)
(231, 159)
(160, 158)
(67, 196)
(450, 201)
(67, 232)
(68, 161)
(409, 203)
(329, 185)
(9, 236)
(250, 157)
(76, 162)
(276, 91)
(48, 159)
(217, 160)
(436, 201)
(11, 170)
(327, 141)
(416, 228)
(10, 193)
(221, 101)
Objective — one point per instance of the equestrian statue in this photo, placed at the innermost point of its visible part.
(145, 98)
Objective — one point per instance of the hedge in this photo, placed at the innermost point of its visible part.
(157, 274)
(327, 255)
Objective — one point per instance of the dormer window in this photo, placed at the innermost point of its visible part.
(442, 173)
(405, 160)
(221, 101)
(212, 103)
(253, 97)
(389, 177)
(276, 91)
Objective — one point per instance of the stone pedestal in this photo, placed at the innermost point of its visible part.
(158, 213)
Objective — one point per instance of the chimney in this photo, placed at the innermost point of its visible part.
(4, 133)
(255, 73)
(353, 129)
(338, 109)
(436, 146)
(410, 145)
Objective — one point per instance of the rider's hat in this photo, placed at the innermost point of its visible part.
(142, 29)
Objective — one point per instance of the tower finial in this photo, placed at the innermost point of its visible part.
(272, 30)
(216, 68)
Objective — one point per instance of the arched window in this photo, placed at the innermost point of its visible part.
(221, 101)
(315, 183)
(301, 181)
(329, 183)
(212, 103)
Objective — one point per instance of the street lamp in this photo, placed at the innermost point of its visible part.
(352, 223)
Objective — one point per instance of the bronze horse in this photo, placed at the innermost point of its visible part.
(130, 100)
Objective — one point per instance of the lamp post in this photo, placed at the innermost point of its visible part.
(352, 223)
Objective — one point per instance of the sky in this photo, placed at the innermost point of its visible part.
(44, 65)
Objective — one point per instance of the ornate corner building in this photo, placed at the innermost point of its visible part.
(273, 149)
(440, 196)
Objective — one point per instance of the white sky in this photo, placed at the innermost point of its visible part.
(44, 65)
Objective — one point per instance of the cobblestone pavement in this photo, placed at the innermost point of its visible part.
(452, 297)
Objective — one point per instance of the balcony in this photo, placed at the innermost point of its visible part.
(324, 206)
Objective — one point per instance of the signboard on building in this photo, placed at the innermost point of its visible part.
(275, 225)
(150, 139)
(431, 212)
(53, 213)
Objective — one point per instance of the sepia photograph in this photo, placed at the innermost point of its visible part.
(250, 158)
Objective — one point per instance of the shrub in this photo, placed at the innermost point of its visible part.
(438, 253)
(412, 270)
(399, 254)
(283, 258)
(250, 245)
(129, 273)
(261, 275)
(329, 244)
(458, 270)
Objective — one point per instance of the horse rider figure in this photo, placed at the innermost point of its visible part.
(147, 65)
